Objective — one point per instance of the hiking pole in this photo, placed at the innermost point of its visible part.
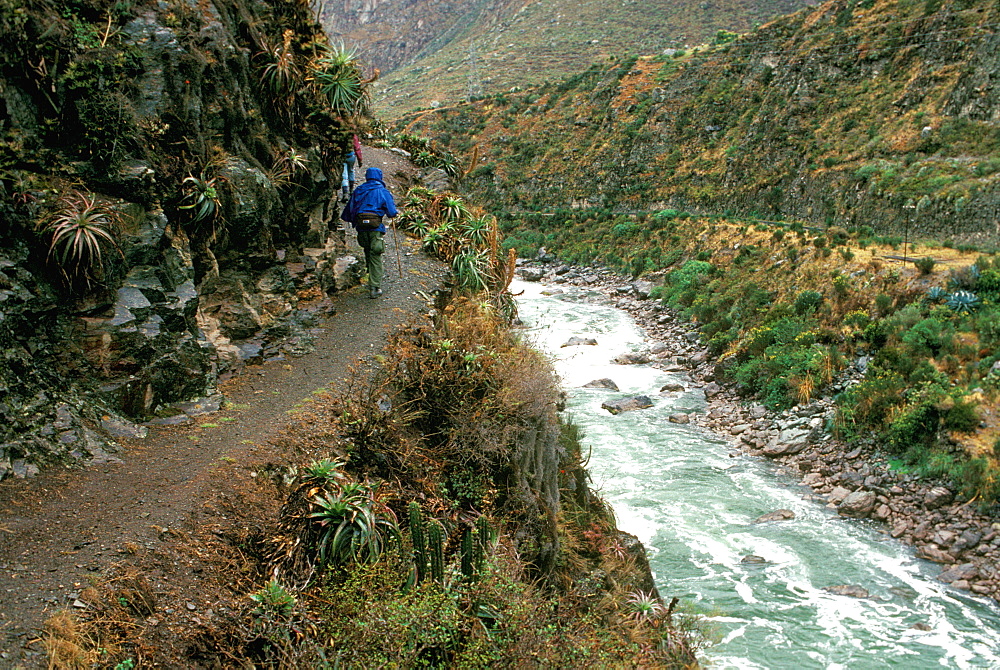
(395, 239)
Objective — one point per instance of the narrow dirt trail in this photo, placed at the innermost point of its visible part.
(64, 528)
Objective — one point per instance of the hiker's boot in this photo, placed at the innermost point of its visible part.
(344, 195)
(374, 292)
(350, 188)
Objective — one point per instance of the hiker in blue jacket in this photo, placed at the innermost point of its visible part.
(365, 210)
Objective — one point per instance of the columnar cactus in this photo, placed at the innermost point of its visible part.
(419, 538)
(435, 547)
(468, 554)
(484, 541)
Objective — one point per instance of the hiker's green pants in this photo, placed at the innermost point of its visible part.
(373, 244)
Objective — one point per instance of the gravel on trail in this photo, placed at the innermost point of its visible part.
(63, 529)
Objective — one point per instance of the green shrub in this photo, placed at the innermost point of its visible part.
(883, 303)
(916, 426)
(925, 265)
(979, 479)
(526, 242)
(962, 417)
(928, 337)
(807, 302)
(876, 333)
(620, 230)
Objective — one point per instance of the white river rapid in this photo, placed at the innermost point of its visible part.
(693, 506)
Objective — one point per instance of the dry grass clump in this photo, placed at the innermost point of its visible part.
(69, 643)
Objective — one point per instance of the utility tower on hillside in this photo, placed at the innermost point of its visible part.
(475, 84)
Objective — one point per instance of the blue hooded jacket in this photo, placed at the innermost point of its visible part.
(371, 197)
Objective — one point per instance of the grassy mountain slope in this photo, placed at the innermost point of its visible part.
(445, 52)
(862, 126)
(877, 113)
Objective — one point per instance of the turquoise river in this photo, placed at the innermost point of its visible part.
(693, 505)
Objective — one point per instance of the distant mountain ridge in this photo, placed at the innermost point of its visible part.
(436, 52)
(881, 113)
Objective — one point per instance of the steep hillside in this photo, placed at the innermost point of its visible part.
(879, 113)
(435, 51)
(162, 168)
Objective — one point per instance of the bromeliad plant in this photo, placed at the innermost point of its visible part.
(354, 527)
(336, 76)
(330, 521)
(201, 197)
(464, 236)
(81, 231)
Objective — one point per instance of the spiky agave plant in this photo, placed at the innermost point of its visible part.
(453, 209)
(282, 72)
(414, 221)
(354, 527)
(417, 198)
(201, 196)
(644, 607)
(963, 301)
(467, 266)
(477, 229)
(286, 166)
(80, 231)
(336, 75)
(325, 472)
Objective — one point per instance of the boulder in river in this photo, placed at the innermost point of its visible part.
(672, 387)
(627, 404)
(531, 274)
(632, 358)
(679, 418)
(776, 515)
(578, 341)
(604, 383)
(852, 590)
(838, 495)
(858, 505)
(753, 559)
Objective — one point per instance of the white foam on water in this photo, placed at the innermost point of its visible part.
(675, 487)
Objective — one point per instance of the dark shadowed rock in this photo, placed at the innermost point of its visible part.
(851, 590)
(579, 341)
(776, 515)
(711, 390)
(602, 384)
(627, 404)
(672, 387)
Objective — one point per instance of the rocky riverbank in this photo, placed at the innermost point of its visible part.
(855, 481)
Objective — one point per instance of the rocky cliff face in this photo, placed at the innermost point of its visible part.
(875, 113)
(213, 190)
